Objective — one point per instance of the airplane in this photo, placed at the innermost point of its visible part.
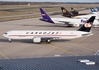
(71, 14)
(47, 35)
(66, 21)
(78, 16)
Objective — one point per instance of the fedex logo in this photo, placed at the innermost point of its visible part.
(83, 21)
(43, 14)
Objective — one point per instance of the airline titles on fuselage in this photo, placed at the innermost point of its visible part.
(43, 32)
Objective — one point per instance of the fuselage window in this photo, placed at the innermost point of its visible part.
(31, 32)
(36, 32)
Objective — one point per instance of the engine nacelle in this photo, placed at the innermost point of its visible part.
(76, 24)
(37, 40)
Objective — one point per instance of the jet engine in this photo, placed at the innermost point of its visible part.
(76, 24)
(36, 40)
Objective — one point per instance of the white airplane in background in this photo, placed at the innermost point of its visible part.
(47, 35)
(66, 21)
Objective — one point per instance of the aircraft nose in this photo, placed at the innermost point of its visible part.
(3, 35)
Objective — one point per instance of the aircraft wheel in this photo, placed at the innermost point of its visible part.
(48, 41)
(9, 40)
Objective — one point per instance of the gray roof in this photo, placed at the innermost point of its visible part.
(49, 63)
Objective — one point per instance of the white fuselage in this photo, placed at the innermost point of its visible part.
(87, 16)
(72, 21)
(56, 34)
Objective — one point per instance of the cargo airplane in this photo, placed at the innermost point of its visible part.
(78, 16)
(47, 35)
(70, 14)
(67, 21)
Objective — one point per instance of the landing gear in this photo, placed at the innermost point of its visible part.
(9, 40)
(48, 41)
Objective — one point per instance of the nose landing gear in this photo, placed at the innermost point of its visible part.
(9, 40)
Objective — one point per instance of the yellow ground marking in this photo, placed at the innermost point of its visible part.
(62, 49)
(86, 37)
(4, 55)
(81, 46)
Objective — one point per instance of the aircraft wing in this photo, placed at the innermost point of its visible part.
(69, 20)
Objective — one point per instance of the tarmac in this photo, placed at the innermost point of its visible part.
(27, 49)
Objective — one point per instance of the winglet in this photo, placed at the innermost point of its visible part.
(87, 26)
(66, 13)
(45, 16)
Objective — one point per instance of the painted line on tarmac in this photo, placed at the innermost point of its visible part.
(81, 46)
(4, 55)
(84, 38)
(62, 49)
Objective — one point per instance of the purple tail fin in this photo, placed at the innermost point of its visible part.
(45, 16)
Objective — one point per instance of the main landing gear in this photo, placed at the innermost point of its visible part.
(48, 41)
(9, 40)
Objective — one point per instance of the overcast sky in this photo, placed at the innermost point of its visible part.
(54, 0)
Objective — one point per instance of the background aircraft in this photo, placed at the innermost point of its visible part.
(66, 21)
(71, 14)
(47, 35)
(79, 16)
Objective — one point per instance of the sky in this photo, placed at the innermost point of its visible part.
(53, 0)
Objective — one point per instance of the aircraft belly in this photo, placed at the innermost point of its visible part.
(21, 37)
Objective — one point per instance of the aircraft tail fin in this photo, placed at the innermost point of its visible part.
(98, 8)
(74, 11)
(66, 13)
(45, 16)
(92, 10)
(87, 26)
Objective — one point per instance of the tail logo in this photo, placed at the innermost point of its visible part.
(64, 11)
(72, 9)
(43, 14)
(87, 25)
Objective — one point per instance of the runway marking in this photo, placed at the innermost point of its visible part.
(87, 36)
(4, 55)
(61, 49)
(84, 38)
(80, 46)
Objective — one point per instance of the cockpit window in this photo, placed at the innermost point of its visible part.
(5, 33)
